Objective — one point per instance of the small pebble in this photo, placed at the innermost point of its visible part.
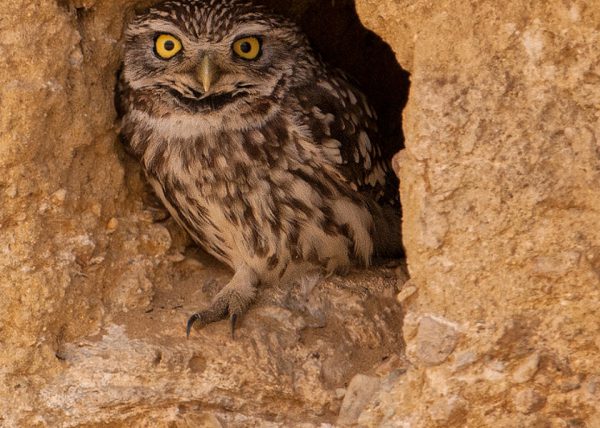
(176, 258)
(406, 293)
(58, 197)
(11, 191)
(435, 341)
(96, 209)
(44, 207)
(527, 369)
(112, 225)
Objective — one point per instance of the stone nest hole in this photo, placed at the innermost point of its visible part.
(338, 35)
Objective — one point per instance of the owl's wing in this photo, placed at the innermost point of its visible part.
(344, 124)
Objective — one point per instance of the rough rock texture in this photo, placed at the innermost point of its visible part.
(500, 193)
(501, 211)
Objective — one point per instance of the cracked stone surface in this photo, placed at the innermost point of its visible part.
(499, 185)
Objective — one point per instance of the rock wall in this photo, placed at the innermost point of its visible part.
(498, 183)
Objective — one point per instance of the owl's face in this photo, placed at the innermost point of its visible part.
(212, 57)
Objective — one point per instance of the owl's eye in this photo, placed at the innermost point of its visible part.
(167, 46)
(247, 47)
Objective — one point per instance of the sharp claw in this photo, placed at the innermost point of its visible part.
(230, 303)
(233, 319)
(190, 324)
(206, 317)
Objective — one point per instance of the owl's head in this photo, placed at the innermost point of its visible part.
(214, 56)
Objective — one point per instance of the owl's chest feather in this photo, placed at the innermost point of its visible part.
(265, 194)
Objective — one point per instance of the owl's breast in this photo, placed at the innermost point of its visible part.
(265, 196)
(220, 188)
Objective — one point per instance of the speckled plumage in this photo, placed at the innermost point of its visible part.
(276, 168)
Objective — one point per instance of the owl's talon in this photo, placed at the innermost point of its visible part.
(191, 321)
(233, 320)
(201, 319)
(232, 301)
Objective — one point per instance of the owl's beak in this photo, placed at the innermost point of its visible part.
(207, 73)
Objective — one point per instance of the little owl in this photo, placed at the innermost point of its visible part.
(270, 159)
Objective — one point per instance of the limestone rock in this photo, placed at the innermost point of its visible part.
(499, 198)
(434, 342)
(360, 391)
(525, 371)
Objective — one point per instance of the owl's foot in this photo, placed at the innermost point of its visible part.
(232, 301)
(230, 304)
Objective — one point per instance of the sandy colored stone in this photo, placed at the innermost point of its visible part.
(434, 342)
(407, 290)
(97, 283)
(360, 391)
(500, 198)
(112, 224)
(526, 369)
(58, 197)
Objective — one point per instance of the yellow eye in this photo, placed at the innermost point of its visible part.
(247, 47)
(167, 46)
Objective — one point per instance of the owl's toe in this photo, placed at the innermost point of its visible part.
(229, 304)
(232, 301)
(203, 318)
(233, 320)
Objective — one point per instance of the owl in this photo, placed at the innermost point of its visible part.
(270, 159)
